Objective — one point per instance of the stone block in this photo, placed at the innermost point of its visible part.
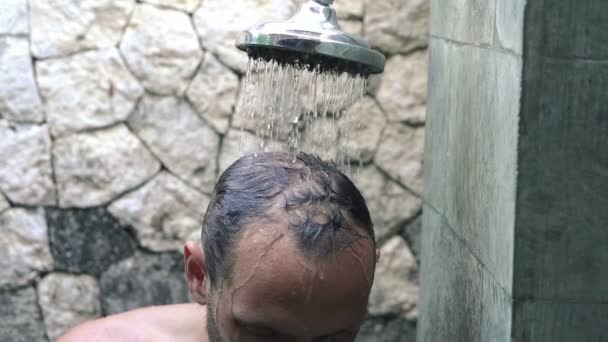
(87, 240)
(353, 9)
(373, 83)
(467, 21)
(19, 98)
(354, 27)
(510, 25)
(497, 310)
(387, 329)
(396, 26)
(26, 176)
(451, 286)
(14, 17)
(20, 319)
(24, 247)
(182, 5)
(86, 91)
(402, 91)
(360, 128)
(411, 233)
(164, 212)
(66, 301)
(218, 25)
(144, 280)
(60, 28)
(390, 205)
(213, 93)
(3, 203)
(471, 151)
(183, 142)
(395, 289)
(461, 300)
(400, 154)
(161, 49)
(94, 168)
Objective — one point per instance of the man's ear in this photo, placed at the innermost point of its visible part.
(378, 254)
(196, 271)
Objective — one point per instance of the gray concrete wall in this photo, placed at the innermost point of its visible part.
(561, 227)
(470, 170)
(516, 172)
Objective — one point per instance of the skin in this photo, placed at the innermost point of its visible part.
(309, 301)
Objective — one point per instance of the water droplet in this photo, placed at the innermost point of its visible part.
(301, 106)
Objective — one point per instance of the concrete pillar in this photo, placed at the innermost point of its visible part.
(515, 226)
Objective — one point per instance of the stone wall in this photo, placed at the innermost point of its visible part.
(115, 121)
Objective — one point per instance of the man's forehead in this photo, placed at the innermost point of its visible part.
(270, 245)
(273, 279)
(269, 261)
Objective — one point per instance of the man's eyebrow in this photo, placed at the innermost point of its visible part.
(254, 323)
(271, 326)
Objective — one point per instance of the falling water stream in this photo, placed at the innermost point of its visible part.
(301, 108)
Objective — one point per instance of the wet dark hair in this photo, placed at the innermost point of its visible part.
(322, 204)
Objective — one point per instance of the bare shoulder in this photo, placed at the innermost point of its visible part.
(157, 323)
(113, 328)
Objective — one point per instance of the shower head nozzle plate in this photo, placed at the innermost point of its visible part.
(312, 37)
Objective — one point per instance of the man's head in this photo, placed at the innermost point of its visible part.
(288, 252)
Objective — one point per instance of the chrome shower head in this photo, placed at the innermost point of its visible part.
(312, 38)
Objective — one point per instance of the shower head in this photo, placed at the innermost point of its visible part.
(313, 39)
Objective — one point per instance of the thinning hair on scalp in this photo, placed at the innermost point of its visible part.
(324, 207)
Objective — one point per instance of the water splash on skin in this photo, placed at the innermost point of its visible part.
(359, 256)
(318, 270)
(267, 249)
(360, 260)
(219, 299)
(308, 275)
(262, 255)
(306, 278)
